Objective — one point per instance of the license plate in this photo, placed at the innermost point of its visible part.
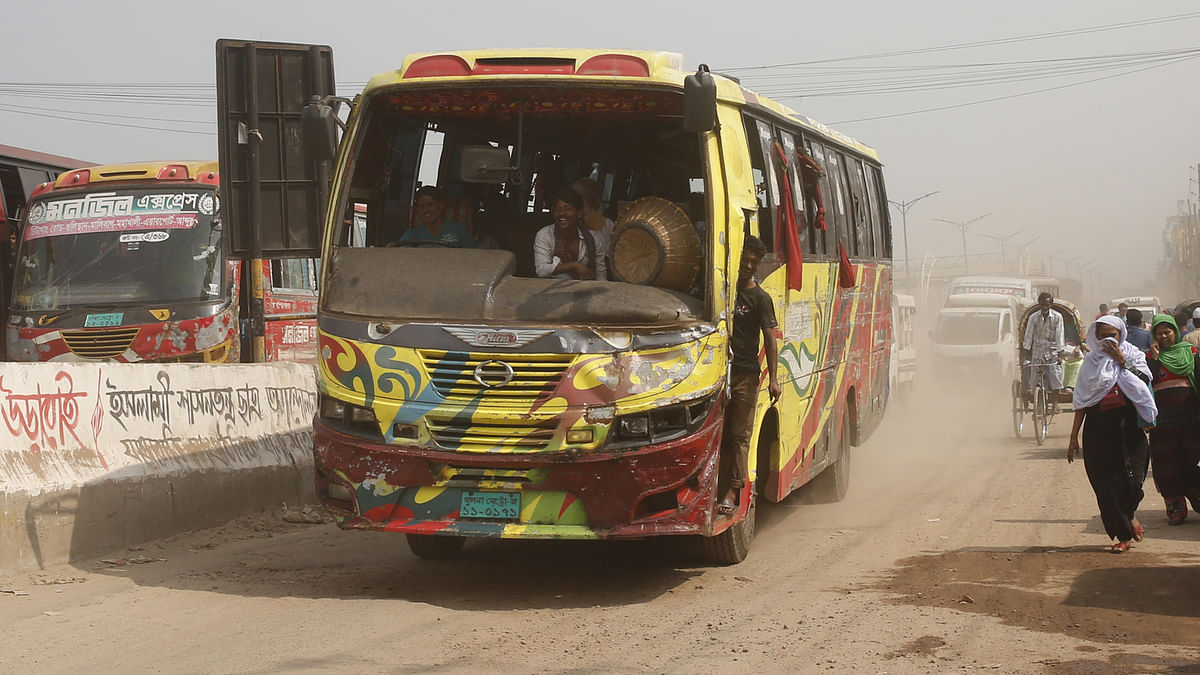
(103, 320)
(498, 505)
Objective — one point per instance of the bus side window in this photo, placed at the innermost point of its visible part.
(295, 274)
(822, 241)
(759, 142)
(882, 216)
(860, 211)
(845, 203)
(835, 202)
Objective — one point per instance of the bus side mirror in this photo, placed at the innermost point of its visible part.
(699, 101)
(319, 130)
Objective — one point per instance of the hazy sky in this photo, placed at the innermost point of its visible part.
(1092, 169)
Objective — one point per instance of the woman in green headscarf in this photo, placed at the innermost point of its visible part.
(1175, 442)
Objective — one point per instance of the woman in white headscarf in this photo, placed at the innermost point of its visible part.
(1113, 394)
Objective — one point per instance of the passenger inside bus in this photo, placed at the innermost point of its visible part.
(565, 249)
(432, 227)
(499, 173)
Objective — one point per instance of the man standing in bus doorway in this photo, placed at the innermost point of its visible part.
(753, 313)
(1045, 344)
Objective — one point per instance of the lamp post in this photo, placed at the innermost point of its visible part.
(962, 228)
(1024, 256)
(1003, 245)
(904, 207)
(1050, 259)
(1067, 266)
(1089, 288)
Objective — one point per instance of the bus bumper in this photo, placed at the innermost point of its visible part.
(661, 489)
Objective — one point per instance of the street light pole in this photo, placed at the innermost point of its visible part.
(1003, 246)
(1050, 259)
(904, 207)
(962, 228)
(1024, 256)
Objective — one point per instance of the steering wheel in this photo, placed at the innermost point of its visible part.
(423, 242)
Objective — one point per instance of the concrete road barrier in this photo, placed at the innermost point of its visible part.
(97, 456)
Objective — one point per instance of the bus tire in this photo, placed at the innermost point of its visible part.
(434, 546)
(731, 546)
(832, 483)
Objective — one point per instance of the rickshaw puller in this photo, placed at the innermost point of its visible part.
(1045, 344)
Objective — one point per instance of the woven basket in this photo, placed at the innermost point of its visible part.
(655, 244)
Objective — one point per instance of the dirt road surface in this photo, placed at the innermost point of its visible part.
(958, 549)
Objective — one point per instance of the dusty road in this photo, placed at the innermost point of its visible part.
(957, 549)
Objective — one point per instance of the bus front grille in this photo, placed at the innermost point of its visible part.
(453, 375)
(99, 344)
(478, 436)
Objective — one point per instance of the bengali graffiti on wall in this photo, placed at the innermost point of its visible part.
(62, 425)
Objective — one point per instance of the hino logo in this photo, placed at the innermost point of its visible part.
(492, 337)
(493, 374)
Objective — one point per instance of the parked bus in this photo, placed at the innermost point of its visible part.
(21, 171)
(464, 396)
(129, 263)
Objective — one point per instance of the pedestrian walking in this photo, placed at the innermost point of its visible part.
(1175, 439)
(1137, 336)
(1113, 405)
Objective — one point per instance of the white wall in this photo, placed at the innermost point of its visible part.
(64, 425)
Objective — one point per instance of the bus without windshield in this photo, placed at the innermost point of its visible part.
(463, 396)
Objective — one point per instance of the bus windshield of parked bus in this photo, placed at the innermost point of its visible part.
(490, 248)
(125, 247)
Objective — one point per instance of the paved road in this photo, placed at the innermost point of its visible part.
(958, 548)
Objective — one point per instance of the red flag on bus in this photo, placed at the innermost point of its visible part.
(787, 238)
(847, 276)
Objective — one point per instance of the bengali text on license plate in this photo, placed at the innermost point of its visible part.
(103, 320)
(501, 505)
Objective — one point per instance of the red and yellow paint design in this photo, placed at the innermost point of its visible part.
(553, 447)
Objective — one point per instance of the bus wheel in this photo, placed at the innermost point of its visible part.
(731, 546)
(832, 483)
(434, 546)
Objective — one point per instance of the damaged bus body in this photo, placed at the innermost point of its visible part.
(464, 396)
(129, 263)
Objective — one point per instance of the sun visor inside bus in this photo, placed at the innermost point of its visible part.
(478, 285)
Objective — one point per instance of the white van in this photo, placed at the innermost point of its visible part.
(1148, 305)
(975, 335)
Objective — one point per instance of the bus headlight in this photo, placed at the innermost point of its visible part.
(349, 418)
(660, 424)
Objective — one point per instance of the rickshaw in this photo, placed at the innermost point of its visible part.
(1040, 402)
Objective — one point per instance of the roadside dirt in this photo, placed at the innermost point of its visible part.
(958, 549)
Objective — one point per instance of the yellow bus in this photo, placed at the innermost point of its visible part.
(463, 395)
